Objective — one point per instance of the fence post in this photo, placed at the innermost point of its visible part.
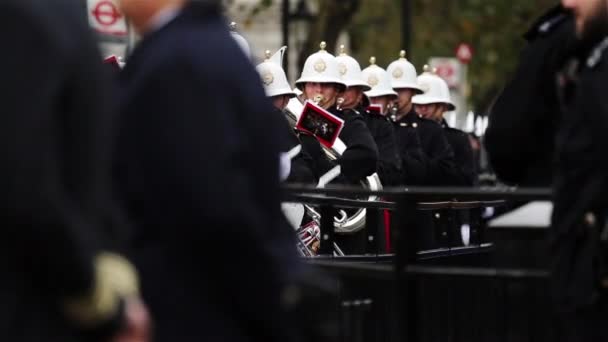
(327, 229)
(372, 229)
(404, 324)
(477, 226)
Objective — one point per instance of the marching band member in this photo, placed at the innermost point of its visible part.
(303, 167)
(378, 125)
(406, 166)
(320, 78)
(439, 157)
(432, 104)
(197, 168)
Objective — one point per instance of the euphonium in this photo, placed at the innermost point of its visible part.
(350, 222)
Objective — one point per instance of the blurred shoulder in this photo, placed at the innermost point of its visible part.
(549, 23)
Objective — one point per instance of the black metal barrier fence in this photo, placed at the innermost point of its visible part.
(493, 289)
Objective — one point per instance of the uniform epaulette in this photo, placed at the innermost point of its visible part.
(597, 53)
(547, 23)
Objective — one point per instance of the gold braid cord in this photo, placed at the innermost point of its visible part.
(115, 278)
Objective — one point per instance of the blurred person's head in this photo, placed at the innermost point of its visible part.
(141, 12)
(590, 16)
(240, 40)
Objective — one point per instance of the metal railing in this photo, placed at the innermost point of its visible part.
(403, 297)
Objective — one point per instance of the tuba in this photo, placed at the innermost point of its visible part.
(350, 221)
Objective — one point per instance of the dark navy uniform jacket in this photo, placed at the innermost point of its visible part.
(55, 144)
(439, 164)
(463, 154)
(521, 131)
(412, 157)
(389, 161)
(302, 165)
(360, 159)
(578, 236)
(198, 171)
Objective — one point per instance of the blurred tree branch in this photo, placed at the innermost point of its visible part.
(493, 27)
(333, 18)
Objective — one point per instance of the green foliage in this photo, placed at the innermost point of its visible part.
(493, 27)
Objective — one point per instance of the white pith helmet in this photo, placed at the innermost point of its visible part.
(320, 67)
(403, 74)
(350, 71)
(378, 80)
(435, 89)
(273, 76)
(240, 40)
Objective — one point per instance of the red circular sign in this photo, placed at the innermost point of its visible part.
(106, 13)
(464, 53)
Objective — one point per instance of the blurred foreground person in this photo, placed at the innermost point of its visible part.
(521, 132)
(198, 169)
(579, 233)
(61, 277)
